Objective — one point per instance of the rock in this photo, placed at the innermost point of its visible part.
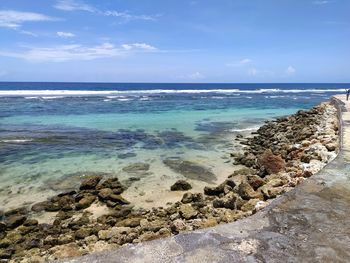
(114, 231)
(136, 168)
(39, 207)
(255, 181)
(6, 254)
(187, 211)
(270, 191)
(82, 233)
(52, 207)
(331, 146)
(178, 225)
(66, 203)
(129, 222)
(112, 183)
(66, 251)
(90, 182)
(15, 221)
(104, 193)
(190, 170)
(192, 198)
(16, 211)
(85, 201)
(250, 205)
(181, 185)
(217, 190)
(30, 222)
(231, 215)
(210, 222)
(247, 192)
(147, 236)
(228, 201)
(118, 199)
(32, 243)
(153, 226)
(272, 163)
(2, 227)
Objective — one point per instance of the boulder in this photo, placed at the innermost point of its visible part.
(192, 198)
(90, 182)
(85, 201)
(255, 181)
(187, 211)
(228, 201)
(129, 222)
(82, 233)
(272, 163)
(66, 251)
(104, 193)
(181, 185)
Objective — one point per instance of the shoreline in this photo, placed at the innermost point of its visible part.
(239, 196)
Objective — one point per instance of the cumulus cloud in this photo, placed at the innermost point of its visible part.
(77, 52)
(14, 19)
(290, 70)
(65, 34)
(240, 63)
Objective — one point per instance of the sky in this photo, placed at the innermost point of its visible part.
(220, 41)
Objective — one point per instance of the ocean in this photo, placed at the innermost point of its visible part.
(53, 134)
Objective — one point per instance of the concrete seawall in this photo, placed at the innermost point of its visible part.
(311, 223)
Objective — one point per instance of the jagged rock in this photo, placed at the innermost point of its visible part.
(250, 205)
(82, 233)
(153, 226)
(255, 181)
(247, 192)
(217, 190)
(30, 222)
(181, 185)
(90, 182)
(192, 198)
(66, 251)
(178, 225)
(228, 201)
(187, 211)
(104, 193)
(272, 163)
(38, 207)
(118, 199)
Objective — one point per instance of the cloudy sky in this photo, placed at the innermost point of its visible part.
(175, 41)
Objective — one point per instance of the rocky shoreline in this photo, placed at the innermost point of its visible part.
(280, 155)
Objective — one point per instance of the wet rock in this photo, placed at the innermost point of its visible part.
(126, 155)
(190, 170)
(272, 163)
(16, 211)
(85, 201)
(187, 211)
(52, 207)
(112, 183)
(39, 207)
(247, 192)
(90, 182)
(104, 193)
(66, 203)
(136, 168)
(118, 199)
(181, 185)
(15, 221)
(30, 222)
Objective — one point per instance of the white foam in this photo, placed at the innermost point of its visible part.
(153, 91)
(16, 141)
(245, 129)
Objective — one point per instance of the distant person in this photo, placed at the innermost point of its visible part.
(347, 94)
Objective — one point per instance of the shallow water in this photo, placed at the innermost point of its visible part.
(47, 143)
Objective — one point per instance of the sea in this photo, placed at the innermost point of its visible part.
(147, 134)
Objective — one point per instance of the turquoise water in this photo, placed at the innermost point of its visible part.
(47, 143)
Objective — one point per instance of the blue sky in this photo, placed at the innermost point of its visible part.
(175, 41)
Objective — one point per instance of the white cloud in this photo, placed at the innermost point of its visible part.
(240, 63)
(192, 76)
(321, 2)
(15, 19)
(142, 46)
(290, 70)
(252, 72)
(65, 34)
(71, 5)
(128, 17)
(77, 52)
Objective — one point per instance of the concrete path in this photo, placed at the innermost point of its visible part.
(311, 223)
